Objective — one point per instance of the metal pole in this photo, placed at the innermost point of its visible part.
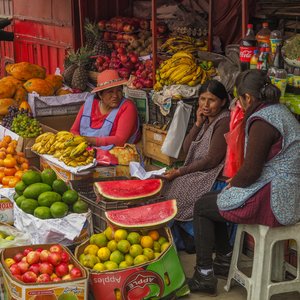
(154, 39)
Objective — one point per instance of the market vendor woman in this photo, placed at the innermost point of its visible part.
(108, 119)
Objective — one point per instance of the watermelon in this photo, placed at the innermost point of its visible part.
(150, 216)
(128, 189)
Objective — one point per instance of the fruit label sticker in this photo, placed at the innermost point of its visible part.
(137, 285)
(6, 211)
(157, 137)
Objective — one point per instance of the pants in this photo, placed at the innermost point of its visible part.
(210, 230)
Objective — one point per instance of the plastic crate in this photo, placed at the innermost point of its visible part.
(156, 117)
(98, 206)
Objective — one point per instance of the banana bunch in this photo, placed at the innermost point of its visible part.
(44, 142)
(183, 43)
(65, 147)
(181, 68)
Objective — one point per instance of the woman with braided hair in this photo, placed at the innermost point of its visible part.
(265, 188)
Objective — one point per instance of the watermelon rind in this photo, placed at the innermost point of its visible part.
(146, 216)
(120, 190)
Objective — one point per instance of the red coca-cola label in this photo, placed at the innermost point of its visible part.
(246, 53)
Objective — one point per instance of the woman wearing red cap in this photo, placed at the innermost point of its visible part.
(109, 119)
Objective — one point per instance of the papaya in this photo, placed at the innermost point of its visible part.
(12, 80)
(56, 81)
(48, 198)
(26, 71)
(7, 89)
(40, 86)
(34, 190)
(62, 91)
(4, 104)
(31, 176)
(24, 104)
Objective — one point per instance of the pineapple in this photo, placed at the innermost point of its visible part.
(70, 66)
(91, 31)
(101, 47)
(80, 76)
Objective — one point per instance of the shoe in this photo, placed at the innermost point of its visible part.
(221, 265)
(203, 283)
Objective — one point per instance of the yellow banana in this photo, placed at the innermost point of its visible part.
(183, 54)
(76, 140)
(184, 73)
(78, 150)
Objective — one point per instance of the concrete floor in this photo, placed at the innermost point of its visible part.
(237, 292)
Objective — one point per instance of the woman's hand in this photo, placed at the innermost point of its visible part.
(200, 118)
(171, 174)
(91, 140)
(228, 186)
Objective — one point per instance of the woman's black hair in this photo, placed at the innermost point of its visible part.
(216, 88)
(257, 84)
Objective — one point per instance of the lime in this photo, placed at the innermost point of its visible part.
(117, 256)
(29, 205)
(20, 187)
(59, 186)
(90, 260)
(30, 177)
(48, 198)
(123, 265)
(19, 200)
(80, 207)
(149, 253)
(99, 267)
(123, 246)
(59, 209)
(42, 212)
(99, 239)
(156, 254)
(156, 246)
(135, 250)
(162, 240)
(70, 197)
(164, 246)
(109, 233)
(91, 249)
(112, 245)
(111, 265)
(134, 238)
(16, 196)
(120, 234)
(129, 259)
(140, 259)
(48, 176)
(104, 253)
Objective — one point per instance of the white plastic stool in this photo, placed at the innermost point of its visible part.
(268, 261)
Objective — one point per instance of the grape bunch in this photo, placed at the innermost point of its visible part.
(13, 111)
(25, 126)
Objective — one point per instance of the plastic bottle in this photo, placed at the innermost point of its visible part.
(278, 61)
(275, 40)
(260, 58)
(247, 46)
(254, 60)
(281, 77)
(263, 36)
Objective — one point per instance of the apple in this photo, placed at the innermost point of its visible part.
(33, 257)
(29, 277)
(18, 257)
(54, 258)
(102, 24)
(61, 270)
(119, 37)
(70, 266)
(128, 28)
(123, 58)
(67, 277)
(56, 248)
(23, 266)
(162, 28)
(46, 268)
(27, 250)
(133, 58)
(106, 36)
(65, 257)
(19, 277)
(75, 273)
(121, 50)
(114, 54)
(56, 279)
(35, 268)
(14, 269)
(39, 250)
(43, 278)
(10, 261)
(24, 258)
(44, 255)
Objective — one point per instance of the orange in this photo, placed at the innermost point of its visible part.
(13, 143)
(24, 166)
(2, 155)
(2, 169)
(20, 159)
(1, 163)
(3, 144)
(9, 162)
(6, 179)
(154, 234)
(13, 181)
(10, 150)
(147, 241)
(19, 174)
(20, 154)
(9, 171)
(1, 176)
(7, 139)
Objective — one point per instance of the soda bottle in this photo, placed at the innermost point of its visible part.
(254, 60)
(278, 61)
(263, 36)
(266, 60)
(247, 46)
(260, 59)
(275, 40)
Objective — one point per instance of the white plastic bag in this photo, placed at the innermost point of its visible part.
(176, 133)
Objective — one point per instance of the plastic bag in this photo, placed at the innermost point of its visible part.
(21, 238)
(125, 154)
(235, 140)
(104, 158)
(176, 133)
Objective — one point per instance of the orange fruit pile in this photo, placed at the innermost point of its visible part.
(12, 163)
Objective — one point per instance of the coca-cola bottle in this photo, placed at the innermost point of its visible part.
(247, 47)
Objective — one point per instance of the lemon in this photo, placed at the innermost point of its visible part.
(156, 246)
(162, 240)
(164, 246)
(120, 234)
(123, 246)
(117, 256)
(90, 260)
(135, 250)
(112, 245)
(129, 259)
(91, 249)
(156, 254)
(99, 267)
(109, 233)
(99, 239)
(123, 265)
(111, 265)
(149, 253)
(134, 238)
(103, 253)
(140, 259)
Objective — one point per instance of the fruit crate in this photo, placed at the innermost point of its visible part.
(156, 117)
(85, 189)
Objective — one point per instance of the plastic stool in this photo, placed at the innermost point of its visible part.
(268, 261)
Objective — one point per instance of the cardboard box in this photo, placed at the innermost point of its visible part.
(153, 139)
(6, 210)
(18, 290)
(158, 278)
(58, 123)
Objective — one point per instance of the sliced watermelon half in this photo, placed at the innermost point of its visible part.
(128, 189)
(146, 216)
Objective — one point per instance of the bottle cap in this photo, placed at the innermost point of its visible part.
(265, 24)
(255, 51)
(250, 26)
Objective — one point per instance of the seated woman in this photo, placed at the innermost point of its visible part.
(205, 147)
(109, 120)
(265, 188)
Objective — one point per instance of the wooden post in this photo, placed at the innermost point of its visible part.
(210, 30)
(154, 39)
(244, 17)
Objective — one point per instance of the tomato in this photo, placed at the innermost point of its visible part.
(2, 154)
(9, 162)
(6, 179)
(1, 176)
(13, 181)
(7, 139)
(24, 166)
(19, 174)
(10, 150)
(9, 171)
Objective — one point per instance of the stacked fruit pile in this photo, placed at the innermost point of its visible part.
(43, 265)
(182, 68)
(46, 197)
(119, 249)
(70, 149)
(182, 43)
(12, 163)
(14, 111)
(25, 126)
